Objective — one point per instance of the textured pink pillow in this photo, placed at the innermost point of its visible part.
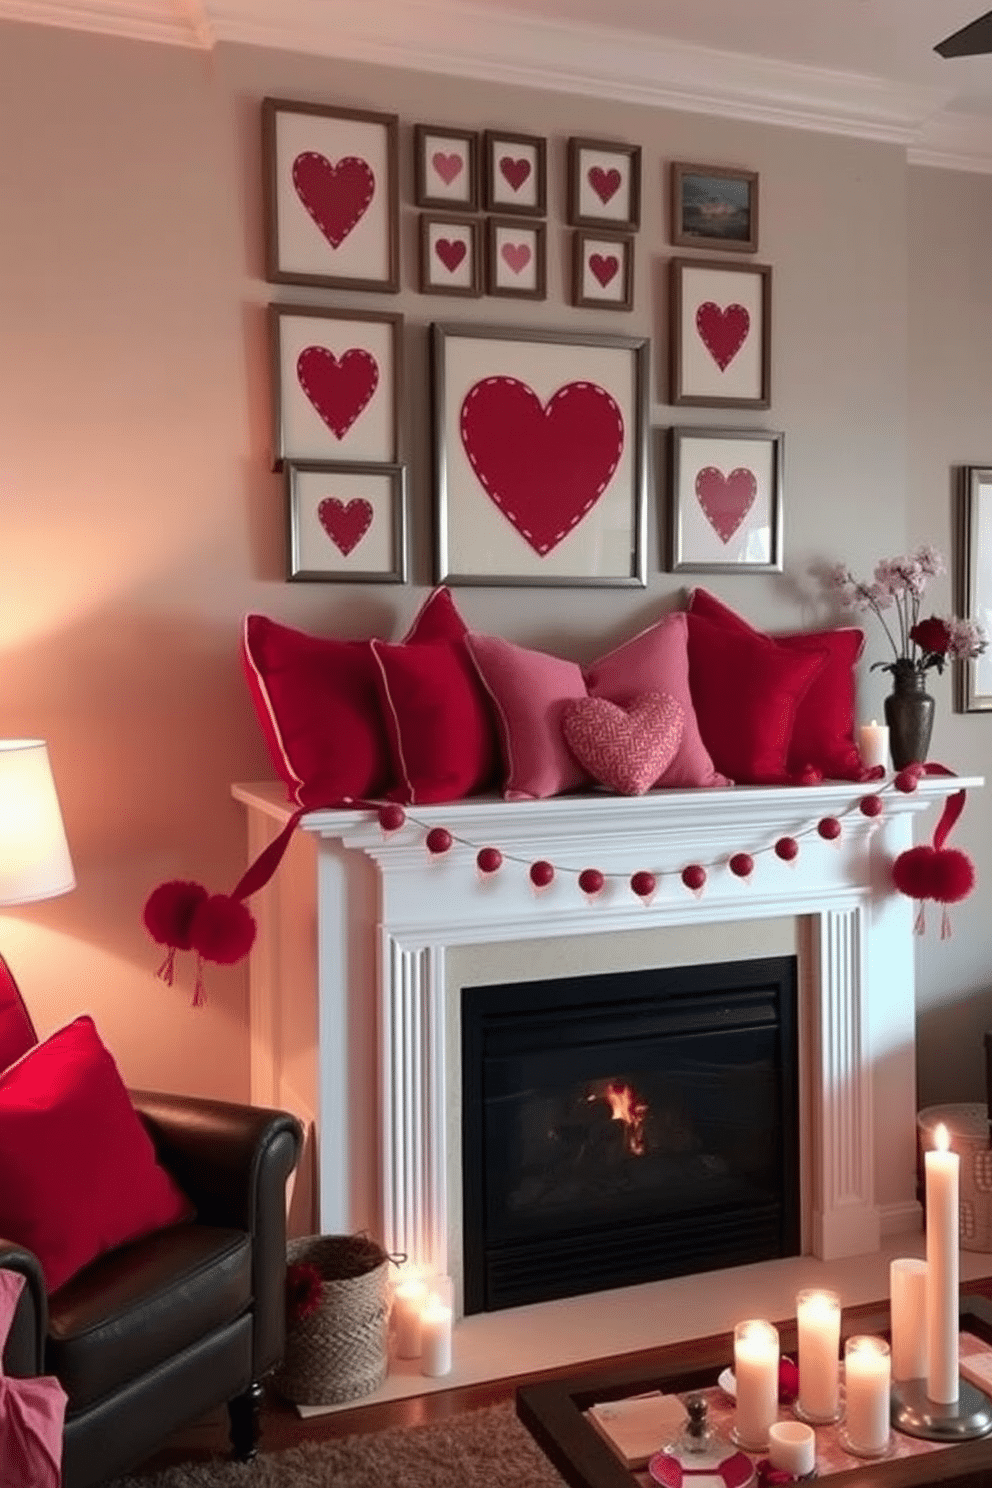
(625, 749)
(657, 660)
(529, 691)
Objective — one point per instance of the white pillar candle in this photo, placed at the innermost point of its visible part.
(874, 743)
(942, 1169)
(867, 1395)
(908, 1312)
(756, 1356)
(435, 1335)
(792, 1448)
(408, 1303)
(818, 1329)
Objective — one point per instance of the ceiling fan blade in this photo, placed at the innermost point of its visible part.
(971, 41)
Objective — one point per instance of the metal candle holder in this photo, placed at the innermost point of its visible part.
(915, 1414)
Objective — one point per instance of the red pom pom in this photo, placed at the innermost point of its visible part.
(908, 779)
(694, 876)
(439, 840)
(391, 818)
(911, 872)
(871, 805)
(829, 828)
(591, 881)
(541, 873)
(223, 929)
(954, 875)
(489, 859)
(809, 775)
(741, 865)
(169, 912)
(787, 848)
(643, 884)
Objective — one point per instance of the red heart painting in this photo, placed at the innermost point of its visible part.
(336, 196)
(516, 256)
(339, 388)
(605, 183)
(722, 331)
(544, 465)
(448, 167)
(345, 525)
(726, 499)
(514, 172)
(450, 251)
(604, 267)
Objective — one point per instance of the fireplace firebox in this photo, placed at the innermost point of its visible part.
(626, 1127)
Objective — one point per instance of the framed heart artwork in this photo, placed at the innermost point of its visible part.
(725, 500)
(540, 456)
(445, 167)
(603, 270)
(515, 172)
(331, 196)
(721, 317)
(604, 184)
(515, 258)
(346, 523)
(450, 254)
(336, 377)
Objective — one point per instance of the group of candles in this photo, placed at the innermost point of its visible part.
(422, 1319)
(923, 1297)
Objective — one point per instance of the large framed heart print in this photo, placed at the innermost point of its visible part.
(540, 456)
(331, 196)
(721, 320)
(725, 501)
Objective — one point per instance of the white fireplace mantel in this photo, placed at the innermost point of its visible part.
(355, 928)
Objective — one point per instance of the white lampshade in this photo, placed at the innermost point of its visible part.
(34, 853)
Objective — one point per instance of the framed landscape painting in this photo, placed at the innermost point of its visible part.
(713, 207)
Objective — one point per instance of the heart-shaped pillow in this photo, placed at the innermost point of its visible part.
(626, 749)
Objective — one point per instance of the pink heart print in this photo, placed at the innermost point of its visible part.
(448, 167)
(516, 256)
(450, 251)
(336, 196)
(627, 749)
(340, 389)
(514, 172)
(726, 499)
(543, 465)
(345, 524)
(605, 183)
(604, 267)
(722, 331)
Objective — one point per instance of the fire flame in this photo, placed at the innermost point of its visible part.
(627, 1106)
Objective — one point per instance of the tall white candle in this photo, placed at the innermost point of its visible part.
(942, 1169)
(867, 1395)
(873, 739)
(818, 1329)
(756, 1356)
(908, 1310)
(408, 1303)
(435, 1337)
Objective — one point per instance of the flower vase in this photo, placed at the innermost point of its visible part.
(909, 711)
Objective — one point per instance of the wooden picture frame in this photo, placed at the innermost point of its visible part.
(446, 167)
(714, 207)
(515, 173)
(725, 500)
(516, 258)
(346, 523)
(603, 270)
(450, 255)
(331, 184)
(720, 333)
(540, 457)
(604, 184)
(336, 384)
(973, 583)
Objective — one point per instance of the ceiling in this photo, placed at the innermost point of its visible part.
(860, 67)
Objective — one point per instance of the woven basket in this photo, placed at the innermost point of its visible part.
(968, 1128)
(338, 1351)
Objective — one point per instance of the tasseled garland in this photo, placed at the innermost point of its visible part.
(944, 874)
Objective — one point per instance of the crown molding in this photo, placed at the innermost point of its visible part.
(455, 38)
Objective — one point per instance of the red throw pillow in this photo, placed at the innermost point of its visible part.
(441, 734)
(17, 1033)
(746, 693)
(78, 1173)
(823, 736)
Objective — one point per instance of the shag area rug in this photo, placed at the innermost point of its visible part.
(480, 1449)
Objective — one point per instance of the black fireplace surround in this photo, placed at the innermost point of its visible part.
(626, 1127)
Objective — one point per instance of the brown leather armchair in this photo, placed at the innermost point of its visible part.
(163, 1330)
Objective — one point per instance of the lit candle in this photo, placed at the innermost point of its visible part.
(942, 1169)
(874, 740)
(908, 1310)
(756, 1355)
(818, 1328)
(408, 1304)
(867, 1391)
(435, 1335)
(792, 1448)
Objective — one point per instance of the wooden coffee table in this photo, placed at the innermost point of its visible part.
(553, 1411)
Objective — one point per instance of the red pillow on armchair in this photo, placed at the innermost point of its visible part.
(17, 1033)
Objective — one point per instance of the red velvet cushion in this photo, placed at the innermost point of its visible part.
(441, 733)
(823, 736)
(78, 1173)
(17, 1033)
(746, 692)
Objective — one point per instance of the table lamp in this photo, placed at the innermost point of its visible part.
(34, 853)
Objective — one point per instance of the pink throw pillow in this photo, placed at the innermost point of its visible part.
(657, 660)
(625, 749)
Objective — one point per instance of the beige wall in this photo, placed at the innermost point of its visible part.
(142, 520)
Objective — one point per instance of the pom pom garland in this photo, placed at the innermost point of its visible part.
(906, 780)
(643, 884)
(871, 805)
(439, 840)
(694, 877)
(541, 873)
(741, 865)
(391, 817)
(489, 860)
(591, 881)
(829, 828)
(787, 848)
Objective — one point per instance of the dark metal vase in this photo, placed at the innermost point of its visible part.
(909, 711)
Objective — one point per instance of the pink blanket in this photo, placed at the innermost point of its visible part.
(31, 1412)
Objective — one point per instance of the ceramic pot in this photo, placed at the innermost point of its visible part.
(909, 711)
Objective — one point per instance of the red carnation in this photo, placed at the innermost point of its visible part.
(932, 636)
(304, 1292)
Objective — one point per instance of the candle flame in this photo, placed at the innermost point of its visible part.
(941, 1137)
